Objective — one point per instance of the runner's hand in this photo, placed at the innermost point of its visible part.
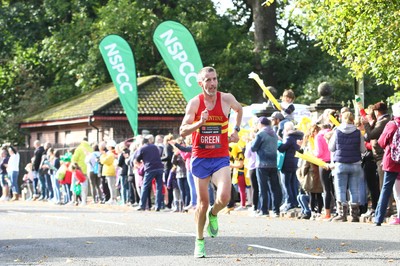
(204, 116)
(234, 137)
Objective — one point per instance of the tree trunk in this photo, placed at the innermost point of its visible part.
(265, 25)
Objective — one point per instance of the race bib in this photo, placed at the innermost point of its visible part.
(210, 137)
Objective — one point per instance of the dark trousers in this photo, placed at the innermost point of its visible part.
(269, 189)
(327, 186)
(232, 201)
(170, 194)
(184, 189)
(105, 191)
(133, 193)
(254, 184)
(316, 202)
(372, 178)
(49, 187)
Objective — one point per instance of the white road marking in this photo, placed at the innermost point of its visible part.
(288, 252)
(17, 213)
(57, 217)
(107, 222)
(174, 232)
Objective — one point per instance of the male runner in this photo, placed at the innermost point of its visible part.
(206, 119)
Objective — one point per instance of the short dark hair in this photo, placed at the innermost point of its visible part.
(204, 71)
(13, 149)
(380, 106)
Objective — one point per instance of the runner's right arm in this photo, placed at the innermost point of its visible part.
(188, 126)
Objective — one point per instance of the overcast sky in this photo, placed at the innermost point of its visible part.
(222, 5)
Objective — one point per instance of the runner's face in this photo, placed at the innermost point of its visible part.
(210, 84)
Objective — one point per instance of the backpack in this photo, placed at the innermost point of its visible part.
(395, 147)
(96, 168)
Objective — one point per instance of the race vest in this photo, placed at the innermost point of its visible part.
(211, 139)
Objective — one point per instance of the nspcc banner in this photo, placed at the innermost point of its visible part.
(179, 51)
(120, 63)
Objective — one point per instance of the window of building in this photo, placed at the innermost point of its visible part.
(67, 138)
(39, 136)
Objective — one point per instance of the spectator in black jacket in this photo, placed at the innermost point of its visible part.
(123, 154)
(166, 158)
(37, 159)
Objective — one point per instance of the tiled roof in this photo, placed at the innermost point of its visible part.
(157, 95)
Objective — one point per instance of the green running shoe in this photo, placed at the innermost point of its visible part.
(199, 250)
(212, 227)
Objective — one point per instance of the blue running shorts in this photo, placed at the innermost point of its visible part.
(205, 167)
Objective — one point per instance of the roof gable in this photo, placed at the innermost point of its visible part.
(156, 95)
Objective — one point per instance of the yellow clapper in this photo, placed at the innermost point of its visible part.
(260, 82)
(334, 120)
(311, 158)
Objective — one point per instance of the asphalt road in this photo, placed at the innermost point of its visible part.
(40, 233)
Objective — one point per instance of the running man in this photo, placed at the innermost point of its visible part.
(206, 119)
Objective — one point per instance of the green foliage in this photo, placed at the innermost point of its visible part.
(234, 64)
(49, 51)
(362, 34)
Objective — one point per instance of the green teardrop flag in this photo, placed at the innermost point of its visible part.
(118, 57)
(179, 51)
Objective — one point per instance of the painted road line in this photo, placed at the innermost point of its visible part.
(17, 213)
(57, 217)
(174, 232)
(108, 222)
(288, 252)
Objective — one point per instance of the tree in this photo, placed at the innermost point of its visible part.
(49, 49)
(283, 55)
(361, 34)
(265, 43)
(21, 27)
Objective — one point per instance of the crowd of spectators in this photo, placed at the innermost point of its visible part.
(355, 179)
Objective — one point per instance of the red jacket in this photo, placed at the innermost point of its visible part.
(67, 178)
(384, 141)
(80, 176)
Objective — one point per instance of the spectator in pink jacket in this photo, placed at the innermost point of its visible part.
(391, 168)
(322, 152)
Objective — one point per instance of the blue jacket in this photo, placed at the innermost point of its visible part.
(265, 145)
(289, 147)
(150, 156)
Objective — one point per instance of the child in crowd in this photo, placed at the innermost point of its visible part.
(79, 181)
(238, 173)
(287, 108)
(28, 181)
(181, 174)
(172, 183)
(64, 176)
(310, 196)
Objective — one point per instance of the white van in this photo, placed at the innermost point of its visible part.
(249, 112)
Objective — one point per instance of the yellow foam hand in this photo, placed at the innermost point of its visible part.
(334, 120)
(260, 82)
(311, 158)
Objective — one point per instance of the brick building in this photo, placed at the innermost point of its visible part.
(98, 115)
